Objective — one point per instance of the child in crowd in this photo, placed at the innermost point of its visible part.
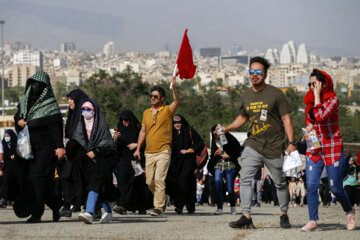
(199, 190)
(237, 189)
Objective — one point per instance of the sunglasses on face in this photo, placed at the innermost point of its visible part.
(126, 120)
(154, 96)
(175, 122)
(258, 72)
(311, 84)
(86, 110)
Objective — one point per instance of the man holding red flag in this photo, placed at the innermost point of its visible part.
(156, 131)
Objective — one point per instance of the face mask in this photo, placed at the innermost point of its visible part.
(7, 139)
(88, 115)
(237, 179)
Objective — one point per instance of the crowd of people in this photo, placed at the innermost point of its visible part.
(82, 167)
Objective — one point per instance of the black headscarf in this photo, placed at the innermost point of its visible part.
(100, 134)
(181, 139)
(232, 148)
(10, 147)
(74, 116)
(129, 134)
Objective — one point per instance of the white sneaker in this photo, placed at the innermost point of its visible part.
(86, 218)
(218, 212)
(106, 217)
(233, 211)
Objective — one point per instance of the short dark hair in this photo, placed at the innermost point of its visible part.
(159, 89)
(262, 61)
(319, 76)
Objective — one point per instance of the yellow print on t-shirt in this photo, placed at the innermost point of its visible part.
(256, 129)
(256, 106)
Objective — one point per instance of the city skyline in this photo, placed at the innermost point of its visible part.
(150, 26)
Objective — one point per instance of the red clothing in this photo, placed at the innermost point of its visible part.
(327, 130)
(358, 158)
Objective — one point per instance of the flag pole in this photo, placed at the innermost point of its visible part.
(174, 74)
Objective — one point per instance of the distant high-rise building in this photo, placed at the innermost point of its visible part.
(292, 46)
(17, 45)
(166, 46)
(59, 62)
(109, 49)
(302, 55)
(27, 57)
(235, 49)
(210, 52)
(272, 56)
(19, 74)
(68, 47)
(286, 55)
(277, 55)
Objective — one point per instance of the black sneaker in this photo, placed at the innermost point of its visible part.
(33, 220)
(142, 212)
(155, 212)
(119, 209)
(178, 210)
(65, 213)
(284, 221)
(243, 223)
(56, 215)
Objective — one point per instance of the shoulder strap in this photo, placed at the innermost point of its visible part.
(192, 141)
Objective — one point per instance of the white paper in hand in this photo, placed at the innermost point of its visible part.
(292, 161)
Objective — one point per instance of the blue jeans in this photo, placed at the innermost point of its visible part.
(335, 173)
(91, 203)
(230, 177)
(198, 197)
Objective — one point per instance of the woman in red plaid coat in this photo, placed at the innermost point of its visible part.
(322, 114)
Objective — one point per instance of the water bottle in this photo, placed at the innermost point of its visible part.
(137, 168)
(220, 131)
(311, 138)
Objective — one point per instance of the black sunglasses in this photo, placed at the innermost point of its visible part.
(313, 84)
(177, 122)
(154, 96)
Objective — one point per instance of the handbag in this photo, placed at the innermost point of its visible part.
(202, 156)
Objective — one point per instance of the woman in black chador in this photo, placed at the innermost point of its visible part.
(97, 158)
(133, 189)
(181, 181)
(11, 159)
(39, 111)
(72, 182)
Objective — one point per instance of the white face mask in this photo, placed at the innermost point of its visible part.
(7, 139)
(237, 179)
(87, 115)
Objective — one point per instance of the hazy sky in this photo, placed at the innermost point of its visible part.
(327, 26)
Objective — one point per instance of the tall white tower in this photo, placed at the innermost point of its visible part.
(286, 55)
(109, 49)
(302, 55)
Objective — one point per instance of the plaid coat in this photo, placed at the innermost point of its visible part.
(327, 129)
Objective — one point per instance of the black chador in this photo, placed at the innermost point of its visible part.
(39, 109)
(134, 193)
(181, 181)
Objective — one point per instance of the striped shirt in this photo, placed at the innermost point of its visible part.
(327, 129)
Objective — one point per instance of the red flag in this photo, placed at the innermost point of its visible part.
(185, 61)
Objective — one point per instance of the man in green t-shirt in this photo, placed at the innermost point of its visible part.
(268, 112)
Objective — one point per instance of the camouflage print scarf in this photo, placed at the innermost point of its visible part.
(45, 105)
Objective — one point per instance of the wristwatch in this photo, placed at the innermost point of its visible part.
(293, 143)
